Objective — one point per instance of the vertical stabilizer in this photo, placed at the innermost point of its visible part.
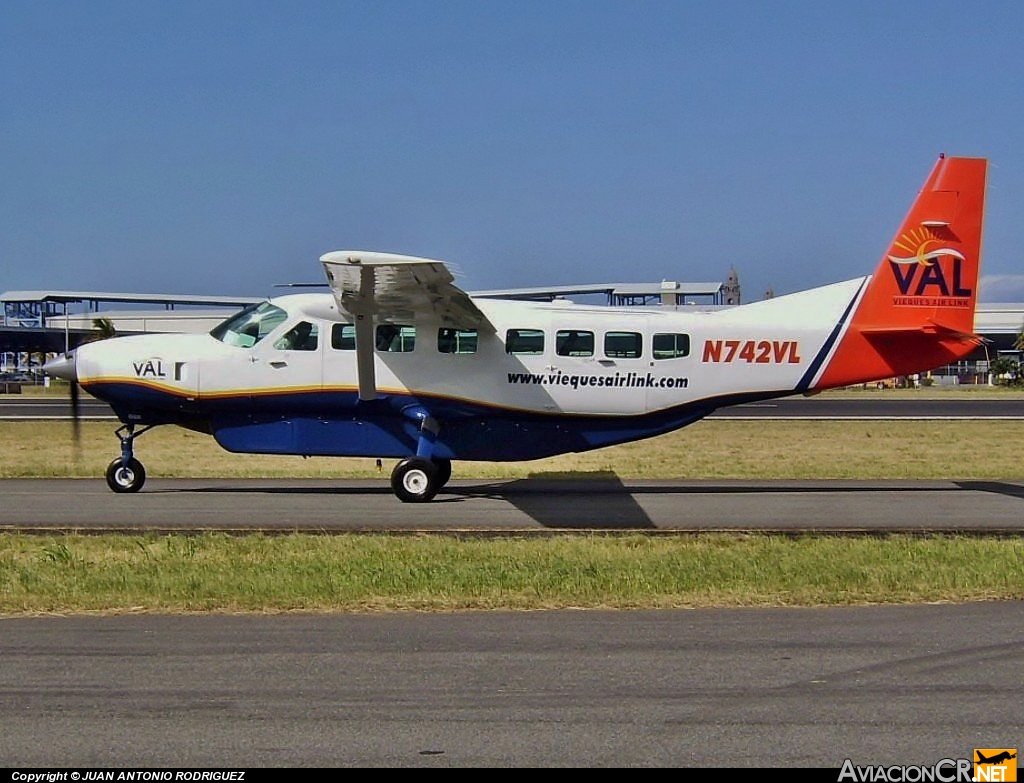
(917, 310)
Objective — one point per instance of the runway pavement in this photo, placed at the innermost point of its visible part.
(715, 688)
(536, 505)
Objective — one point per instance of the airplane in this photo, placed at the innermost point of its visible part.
(396, 361)
(996, 759)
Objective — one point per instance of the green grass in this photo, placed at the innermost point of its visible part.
(372, 573)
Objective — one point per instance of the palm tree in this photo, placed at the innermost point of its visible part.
(103, 330)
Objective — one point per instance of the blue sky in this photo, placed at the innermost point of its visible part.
(221, 147)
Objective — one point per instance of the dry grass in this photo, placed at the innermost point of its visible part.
(708, 449)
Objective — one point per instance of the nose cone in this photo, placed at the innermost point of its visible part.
(62, 366)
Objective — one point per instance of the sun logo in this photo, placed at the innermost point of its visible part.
(919, 244)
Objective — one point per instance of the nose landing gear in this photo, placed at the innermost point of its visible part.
(126, 474)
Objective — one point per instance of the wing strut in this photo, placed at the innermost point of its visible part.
(364, 357)
(362, 308)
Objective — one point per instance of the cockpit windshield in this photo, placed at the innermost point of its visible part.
(249, 326)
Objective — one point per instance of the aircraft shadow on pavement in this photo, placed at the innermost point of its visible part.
(597, 500)
(998, 487)
(601, 501)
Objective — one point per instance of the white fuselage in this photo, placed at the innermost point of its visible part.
(764, 347)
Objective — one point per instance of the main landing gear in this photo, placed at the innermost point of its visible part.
(417, 479)
(126, 474)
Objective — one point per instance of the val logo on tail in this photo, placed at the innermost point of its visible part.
(398, 362)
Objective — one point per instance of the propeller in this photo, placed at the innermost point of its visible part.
(63, 366)
(75, 428)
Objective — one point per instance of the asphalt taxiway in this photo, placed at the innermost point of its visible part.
(534, 504)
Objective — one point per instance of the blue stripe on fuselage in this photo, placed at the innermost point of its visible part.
(336, 423)
(812, 369)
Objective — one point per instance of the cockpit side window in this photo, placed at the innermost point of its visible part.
(301, 337)
(249, 326)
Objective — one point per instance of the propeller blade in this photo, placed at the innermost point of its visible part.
(75, 429)
(64, 366)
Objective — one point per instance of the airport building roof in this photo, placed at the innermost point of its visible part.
(1004, 318)
(96, 297)
(615, 293)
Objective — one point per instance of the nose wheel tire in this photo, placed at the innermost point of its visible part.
(126, 477)
(414, 480)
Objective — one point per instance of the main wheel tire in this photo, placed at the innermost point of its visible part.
(414, 480)
(444, 471)
(126, 477)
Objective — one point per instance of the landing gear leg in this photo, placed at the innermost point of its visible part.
(126, 474)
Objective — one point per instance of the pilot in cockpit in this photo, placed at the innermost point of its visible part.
(301, 337)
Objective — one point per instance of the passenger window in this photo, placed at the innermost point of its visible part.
(343, 337)
(571, 342)
(301, 337)
(524, 341)
(671, 346)
(456, 340)
(396, 338)
(623, 345)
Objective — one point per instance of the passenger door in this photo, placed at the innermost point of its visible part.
(286, 369)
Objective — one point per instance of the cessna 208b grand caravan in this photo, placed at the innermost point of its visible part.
(398, 362)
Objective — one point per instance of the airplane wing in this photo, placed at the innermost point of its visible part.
(374, 288)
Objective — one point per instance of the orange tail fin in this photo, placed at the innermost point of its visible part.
(917, 311)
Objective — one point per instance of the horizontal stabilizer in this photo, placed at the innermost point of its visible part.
(932, 327)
